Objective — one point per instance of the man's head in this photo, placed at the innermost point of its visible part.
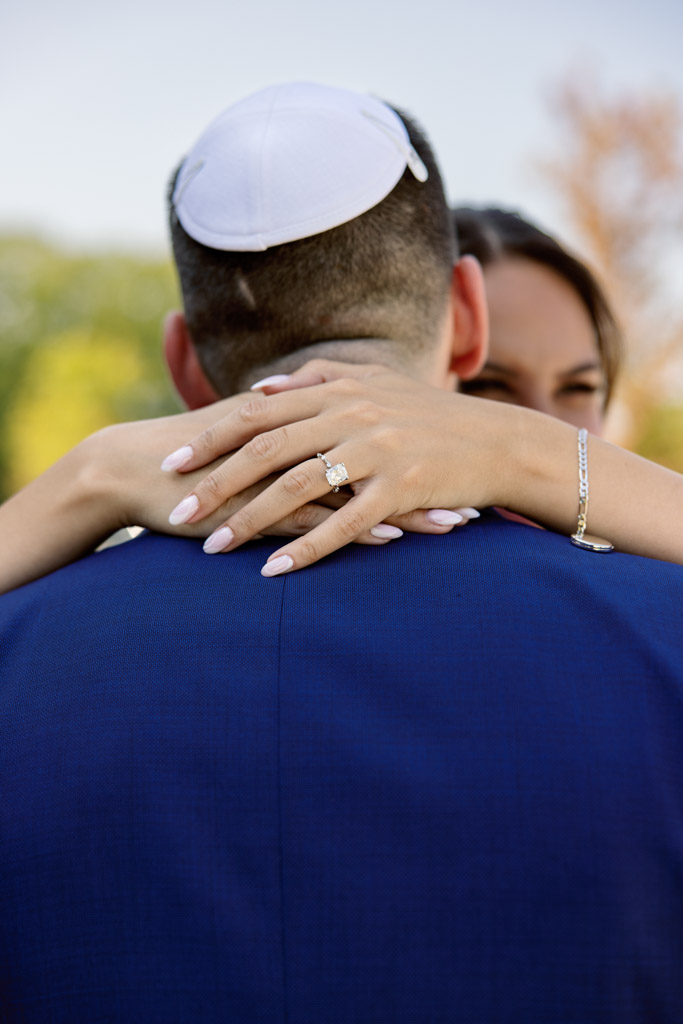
(304, 219)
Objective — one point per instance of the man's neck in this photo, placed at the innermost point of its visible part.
(359, 351)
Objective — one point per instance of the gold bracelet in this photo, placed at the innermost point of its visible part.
(582, 539)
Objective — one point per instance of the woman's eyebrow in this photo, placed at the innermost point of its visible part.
(497, 368)
(581, 368)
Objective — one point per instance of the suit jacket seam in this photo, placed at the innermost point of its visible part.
(283, 938)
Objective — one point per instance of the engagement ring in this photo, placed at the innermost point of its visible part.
(336, 475)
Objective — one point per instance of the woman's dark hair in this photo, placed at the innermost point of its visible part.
(491, 235)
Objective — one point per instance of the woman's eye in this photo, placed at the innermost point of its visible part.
(482, 386)
(580, 388)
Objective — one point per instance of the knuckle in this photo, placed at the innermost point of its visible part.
(252, 411)
(265, 446)
(211, 489)
(388, 439)
(207, 440)
(367, 412)
(307, 552)
(411, 478)
(297, 482)
(351, 524)
(345, 387)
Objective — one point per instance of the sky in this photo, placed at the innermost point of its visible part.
(100, 101)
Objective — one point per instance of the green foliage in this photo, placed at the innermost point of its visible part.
(80, 347)
(662, 439)
(76, 384)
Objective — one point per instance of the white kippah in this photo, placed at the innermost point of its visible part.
(288, 162)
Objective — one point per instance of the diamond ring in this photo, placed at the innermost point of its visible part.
(336, 475)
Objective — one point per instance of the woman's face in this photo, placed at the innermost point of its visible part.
(543, 352)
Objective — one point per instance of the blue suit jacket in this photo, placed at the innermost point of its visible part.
(440, 781)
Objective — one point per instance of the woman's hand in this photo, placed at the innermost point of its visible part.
(122, 464)
(405, 444)
(112, 480)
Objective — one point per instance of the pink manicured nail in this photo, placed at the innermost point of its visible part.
(218, 540)
(278, 565)
(443, 517)
(469, 513)
(386, 532)
(182, 512)
(177, 459)
(277, 378)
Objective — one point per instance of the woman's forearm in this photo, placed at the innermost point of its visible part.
(418, 447)
(634, 503)
(64, 513)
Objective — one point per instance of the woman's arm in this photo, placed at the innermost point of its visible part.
(112, 480)
(634, 503)
(54, 520)
(108, 481)
(407, 445)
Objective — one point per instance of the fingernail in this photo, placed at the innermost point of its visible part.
(218, 540)
(177, 459)
(278, 565)
(470, 513)
(443, 517)
(182, 512)
(386, 532)
(277, 378)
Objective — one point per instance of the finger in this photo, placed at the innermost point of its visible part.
(419, 521)
(334, 501)
(259, 415)
(434, 521)
(447, 516)
(302, 520)
(340, 529)
(315, 371)
(468, 513)
(254, 416)
(305, 519)
(264, 455)
(304, 483)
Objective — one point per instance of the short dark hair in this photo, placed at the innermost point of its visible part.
(385, 274)
(491, 234)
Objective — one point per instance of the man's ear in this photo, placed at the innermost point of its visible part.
(470, 319)
(190, 380)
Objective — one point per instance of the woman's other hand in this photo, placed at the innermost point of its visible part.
(401, 441)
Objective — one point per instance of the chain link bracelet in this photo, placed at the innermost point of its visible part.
(582, 539)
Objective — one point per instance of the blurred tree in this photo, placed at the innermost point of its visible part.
(620, 177)
(662, 437)
(79, 382)
(73, 330)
